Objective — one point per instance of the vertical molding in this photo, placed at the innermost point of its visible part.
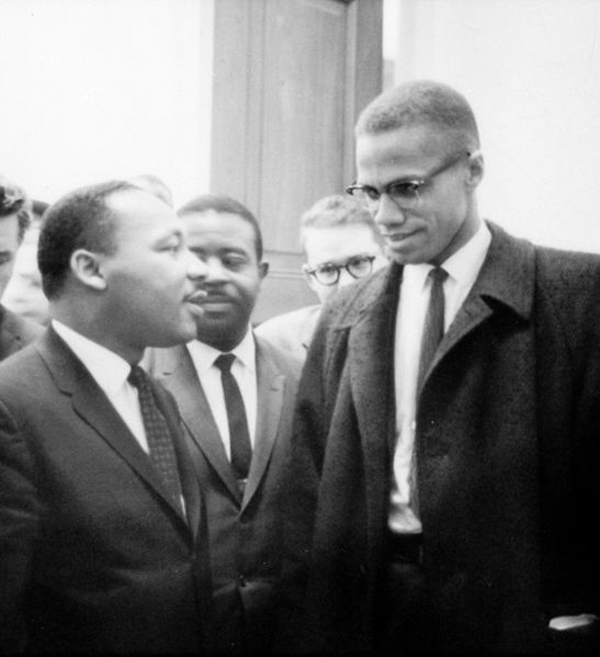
(363, 81)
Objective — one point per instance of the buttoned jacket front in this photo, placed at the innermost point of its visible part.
(245, 527)
(95, 555)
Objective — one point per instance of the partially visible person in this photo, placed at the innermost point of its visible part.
(24, 294)
(155, 185)
(445, 469)
(239, 438)
(15, 219)
(103, 544)
(341, 244)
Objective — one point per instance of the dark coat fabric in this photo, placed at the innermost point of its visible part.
(94, 557)
(16, 332)
(508, 456)
(245, 528)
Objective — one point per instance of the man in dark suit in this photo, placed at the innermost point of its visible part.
(15, 218)
(243, 507)
(102, 538)
(444, 488)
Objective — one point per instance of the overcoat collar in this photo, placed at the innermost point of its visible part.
(92, 405)
(505, 283)
(178, 374)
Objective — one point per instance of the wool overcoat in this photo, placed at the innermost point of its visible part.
(508, 456)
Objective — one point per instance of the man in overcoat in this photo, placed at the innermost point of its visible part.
(448, 502)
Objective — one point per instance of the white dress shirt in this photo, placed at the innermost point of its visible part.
(244, 371)
(110, 372)
(462, 268)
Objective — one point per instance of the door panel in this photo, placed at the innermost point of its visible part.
(290, 79)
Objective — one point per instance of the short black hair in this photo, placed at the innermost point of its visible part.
(221, 203)
(79, 220)
(15, 201)
(422, 102)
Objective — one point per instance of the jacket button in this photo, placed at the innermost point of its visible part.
(241, 580)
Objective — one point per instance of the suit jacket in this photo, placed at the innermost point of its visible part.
(15, 332)
(291, 331)
(508, 454)
(93, 554)
(245, 528)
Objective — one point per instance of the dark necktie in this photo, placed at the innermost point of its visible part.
(433, 329)
(160, 442)
(239, 437)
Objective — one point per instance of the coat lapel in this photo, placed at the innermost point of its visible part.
(506, 280)
(92, 405)
(270, 390)
(177, 373)
(371, 363)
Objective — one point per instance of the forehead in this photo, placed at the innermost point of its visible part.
(338, 243)
(403, 151)
(142, 213)
(225, 229)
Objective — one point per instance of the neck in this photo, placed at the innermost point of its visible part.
(92, 327)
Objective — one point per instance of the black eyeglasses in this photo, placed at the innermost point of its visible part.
(404, 193)
(329, 273)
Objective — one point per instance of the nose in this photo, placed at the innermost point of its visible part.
(216, 271)
(196, 268)
(345, 278)
(388, 212)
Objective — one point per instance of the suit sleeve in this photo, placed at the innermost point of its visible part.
(19, 524)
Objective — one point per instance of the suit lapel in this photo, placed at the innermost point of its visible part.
(270, 390)
(178, 375)
(93, 406)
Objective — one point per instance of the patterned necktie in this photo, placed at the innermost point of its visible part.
(433, 329)
(160, 442)
(239, 437)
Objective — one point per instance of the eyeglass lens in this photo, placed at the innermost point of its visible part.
(357, 267)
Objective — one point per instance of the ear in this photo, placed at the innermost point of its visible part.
(476, 168)
(86, 267)
(311, 280)
(263, 269)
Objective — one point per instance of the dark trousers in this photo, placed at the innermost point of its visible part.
(406, 622)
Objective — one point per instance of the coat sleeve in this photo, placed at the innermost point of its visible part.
(19, 525)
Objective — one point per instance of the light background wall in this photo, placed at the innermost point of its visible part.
(98, 89)
(531, 70)
(94, 89)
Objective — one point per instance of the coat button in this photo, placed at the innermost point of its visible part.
(241, 580)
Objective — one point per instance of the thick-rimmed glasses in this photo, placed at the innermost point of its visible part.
(328, 273)
(404, 192)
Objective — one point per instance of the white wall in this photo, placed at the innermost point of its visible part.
(531, 70)
(98, 89)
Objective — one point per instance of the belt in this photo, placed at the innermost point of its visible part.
(405, 548)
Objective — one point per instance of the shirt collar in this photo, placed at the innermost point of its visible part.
(204, 355)
(108, 369)
(462, 266)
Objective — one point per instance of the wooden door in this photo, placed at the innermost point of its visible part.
(290, 77)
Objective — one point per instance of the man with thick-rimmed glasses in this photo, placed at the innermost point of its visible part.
(341, 244)
(444, 477)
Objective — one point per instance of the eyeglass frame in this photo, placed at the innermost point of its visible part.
(312, 271)
(417, 183)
